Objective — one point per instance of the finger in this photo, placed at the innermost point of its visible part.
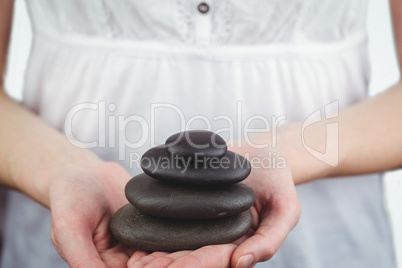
(166, 260)
(208, 256)
(130, 251)
(136, 256)
(141, 262)
(275, 225)
(115, 256)
(72, 238)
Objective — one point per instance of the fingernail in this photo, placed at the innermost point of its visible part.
(245, 261)
(130, 262)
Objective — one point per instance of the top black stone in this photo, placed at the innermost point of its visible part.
(228, 169)
(196, 143)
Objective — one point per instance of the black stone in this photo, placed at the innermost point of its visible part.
(168, 200)
(141, 231)
(194, 143)
(230, 168)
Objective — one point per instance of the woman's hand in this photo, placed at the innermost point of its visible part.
(276, 211)
(83, 198)
(82, 191)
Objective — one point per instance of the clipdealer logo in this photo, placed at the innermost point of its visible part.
(108, 129)
(331, 154)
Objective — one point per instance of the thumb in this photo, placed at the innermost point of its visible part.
(72, 239)
(275, 225)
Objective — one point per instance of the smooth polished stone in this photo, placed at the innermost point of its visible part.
(169, 200)
(141, 231)
(193, 143)
(230, 168)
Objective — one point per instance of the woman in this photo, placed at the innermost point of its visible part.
(118, 78)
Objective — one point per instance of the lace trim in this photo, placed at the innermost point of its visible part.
(106, 20)
(185, 21)
(221, 21)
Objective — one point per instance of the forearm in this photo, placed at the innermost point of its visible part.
(369, 140)
(371, 135)
(6, 14)
(28, 147)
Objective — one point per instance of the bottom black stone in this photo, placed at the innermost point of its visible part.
(141, 231)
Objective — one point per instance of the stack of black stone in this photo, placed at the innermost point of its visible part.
(190, 196)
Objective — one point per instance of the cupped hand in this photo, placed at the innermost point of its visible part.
(276, 211)
(83, 198)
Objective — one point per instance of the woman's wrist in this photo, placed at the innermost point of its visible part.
(33, 153)
(293, 144)
(285, 148)
(34, 177)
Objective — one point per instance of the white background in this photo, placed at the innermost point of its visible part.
(384, 74)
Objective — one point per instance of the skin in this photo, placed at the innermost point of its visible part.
(83, 192)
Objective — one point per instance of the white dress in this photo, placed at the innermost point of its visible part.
(167, 60)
